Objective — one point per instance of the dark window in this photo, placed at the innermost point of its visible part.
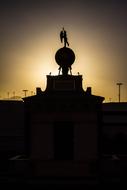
(63, 140)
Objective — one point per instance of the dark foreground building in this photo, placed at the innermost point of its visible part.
(11, 128)
(115, 129)
(63, 125)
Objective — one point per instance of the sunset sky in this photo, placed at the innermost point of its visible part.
(29, 39)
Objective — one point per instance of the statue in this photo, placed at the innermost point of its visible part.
(64, 56)
(63, 36)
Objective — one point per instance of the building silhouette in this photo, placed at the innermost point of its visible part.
(11, 128)
(115, 129)
(64, 132)
(63, 124)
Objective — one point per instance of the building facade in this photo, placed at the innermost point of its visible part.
(11, 128)
(115, 128)
(63, 124)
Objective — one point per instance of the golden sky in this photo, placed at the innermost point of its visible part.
(29, 36)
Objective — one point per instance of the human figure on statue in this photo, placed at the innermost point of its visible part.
(63, 36)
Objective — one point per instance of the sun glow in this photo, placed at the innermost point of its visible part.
(30, 38)
(30, 63)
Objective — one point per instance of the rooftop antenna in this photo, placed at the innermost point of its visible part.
(25, 92)
(14, 94)
(8, 93)
(110, 99)
(119, 90)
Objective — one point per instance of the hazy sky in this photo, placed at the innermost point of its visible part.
(29, 39)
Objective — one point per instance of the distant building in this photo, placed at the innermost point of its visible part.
(11, 128)
(63, 124)
(115, 128)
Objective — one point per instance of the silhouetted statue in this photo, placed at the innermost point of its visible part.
(63, 36)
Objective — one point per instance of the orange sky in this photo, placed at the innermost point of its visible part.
(30, 38)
